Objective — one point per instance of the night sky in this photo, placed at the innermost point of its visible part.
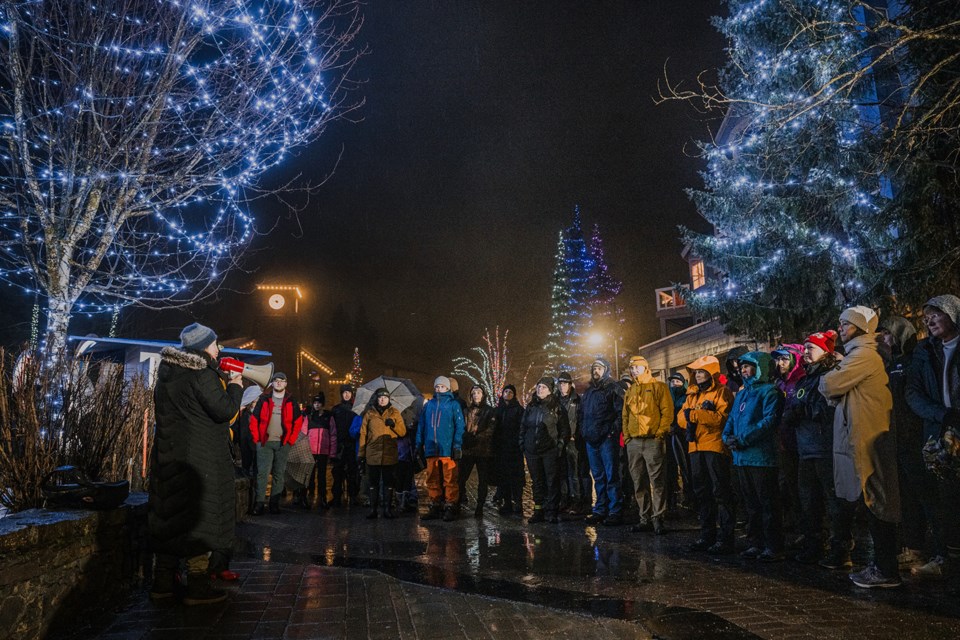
(484, 124)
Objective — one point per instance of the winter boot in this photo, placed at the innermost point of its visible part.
(200, 591)
(164, 584)
(388, 505)
(258, 509)
(274, 504)
(433, 513)
(300, 499)
(451, 512)
(374, 504)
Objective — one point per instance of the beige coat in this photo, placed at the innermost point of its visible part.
(378, 442)
(864, 446)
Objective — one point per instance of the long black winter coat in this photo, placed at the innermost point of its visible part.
(507, 455)
(191, 472)
(343, 416)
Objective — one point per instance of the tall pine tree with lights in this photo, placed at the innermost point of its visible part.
(570, 299)
(801, 226)
(606, 315)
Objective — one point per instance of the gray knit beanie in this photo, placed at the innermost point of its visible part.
(444, 380)
(197, 337)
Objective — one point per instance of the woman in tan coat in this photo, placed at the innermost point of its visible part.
(864, 447)
(382, 425)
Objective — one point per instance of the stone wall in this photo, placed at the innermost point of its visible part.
(59, 567)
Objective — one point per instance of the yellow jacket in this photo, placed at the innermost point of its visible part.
(647, 409)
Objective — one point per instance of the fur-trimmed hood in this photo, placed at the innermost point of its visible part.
(183, 359)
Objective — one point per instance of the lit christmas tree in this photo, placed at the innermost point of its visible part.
(570, 300)
(356, 374)
(136, 133)
(801, 226)
(605, 314)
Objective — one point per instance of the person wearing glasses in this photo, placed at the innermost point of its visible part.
(275, 424)
(933, 392)
(191, 470)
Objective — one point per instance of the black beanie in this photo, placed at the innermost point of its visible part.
(546, 381)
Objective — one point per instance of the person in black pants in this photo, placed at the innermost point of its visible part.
(477, 446)
(544, 431)
(345, 465)
(507, 454)
(382, 427)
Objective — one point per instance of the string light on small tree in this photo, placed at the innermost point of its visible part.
(356, 374)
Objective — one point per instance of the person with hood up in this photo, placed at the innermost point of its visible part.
(599, 419)
(734, 380)
(788, 371)
(577, 481)
(507, 454)
(701, 420)
(345, 461)
(275, 423)
(382, 426)
(544, 432)
(864, 449)
(646, 419)
(440, 439)
(897, 342)
(933, 392)
(677, 461)
(477, 446)
(751, 434)
(322, 433)
(811, 417)
(192, 495)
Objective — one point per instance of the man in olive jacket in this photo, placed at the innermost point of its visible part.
(647, 416)
(191, 511)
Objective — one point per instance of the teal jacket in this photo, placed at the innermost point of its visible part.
(751, 429)
(441, 426)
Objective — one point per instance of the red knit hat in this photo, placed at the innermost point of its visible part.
(826, 340)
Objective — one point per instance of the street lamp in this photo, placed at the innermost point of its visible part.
(598, 339)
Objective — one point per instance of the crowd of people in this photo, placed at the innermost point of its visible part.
(801, 439)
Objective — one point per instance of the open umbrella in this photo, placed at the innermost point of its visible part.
(403, 393)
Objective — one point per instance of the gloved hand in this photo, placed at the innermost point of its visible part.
(421, 452)
(950, 419)
(732, 443)
(457, 454)
(675, 430)
(691, 432)
(390, 423)
(686, 415)
(708, 405)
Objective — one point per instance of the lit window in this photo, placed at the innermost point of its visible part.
(698, 277)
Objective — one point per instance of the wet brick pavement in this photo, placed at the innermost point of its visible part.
(338, 575)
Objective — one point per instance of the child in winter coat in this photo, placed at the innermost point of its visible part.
(751, 434)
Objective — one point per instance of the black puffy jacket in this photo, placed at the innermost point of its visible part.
(192, 491)
(545, 425)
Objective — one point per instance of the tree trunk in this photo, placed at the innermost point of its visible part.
(59, 309)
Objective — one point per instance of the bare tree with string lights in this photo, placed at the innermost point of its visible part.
(135, 136)
(491, 368)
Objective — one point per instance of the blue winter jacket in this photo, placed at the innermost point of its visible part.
(751, 429)
(440, 431)
(600, 410)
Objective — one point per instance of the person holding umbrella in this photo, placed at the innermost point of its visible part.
(382, 426)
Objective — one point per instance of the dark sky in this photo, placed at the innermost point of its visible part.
(485, 122)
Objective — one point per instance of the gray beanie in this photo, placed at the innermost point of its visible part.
(947, 303)
(444, 380)
(197, 337)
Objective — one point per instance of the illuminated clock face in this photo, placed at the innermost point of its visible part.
(276, 301)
